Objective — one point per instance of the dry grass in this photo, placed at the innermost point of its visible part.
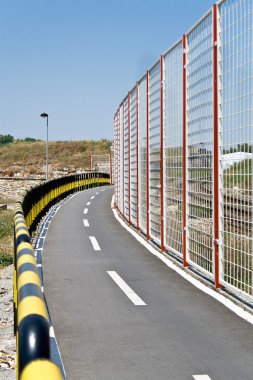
(30, 156)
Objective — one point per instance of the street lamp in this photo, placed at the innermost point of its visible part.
(46, 115)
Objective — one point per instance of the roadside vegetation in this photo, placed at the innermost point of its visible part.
(6, 237)
(28, 156)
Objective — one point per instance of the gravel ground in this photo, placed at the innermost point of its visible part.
(7, 339)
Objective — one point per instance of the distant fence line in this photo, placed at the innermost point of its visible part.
(183, 148)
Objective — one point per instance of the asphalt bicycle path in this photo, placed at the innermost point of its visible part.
(119, 313)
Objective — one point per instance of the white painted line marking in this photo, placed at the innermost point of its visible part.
(86, 223)
(42, 289)
(137, 301)
(94, 243)
(102, 190)
(93, 196)
(39, 265)
(85, 211)
(51, 332)
(201, 377)
(97, 193)
(219, 297)
(88, 203)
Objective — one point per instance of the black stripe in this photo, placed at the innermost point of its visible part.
(27, 267)
(23, 238)
(25, 251)
(30, 290)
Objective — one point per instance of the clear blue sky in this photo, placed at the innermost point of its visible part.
(76, 60)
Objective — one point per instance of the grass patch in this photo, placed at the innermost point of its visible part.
(6, 237)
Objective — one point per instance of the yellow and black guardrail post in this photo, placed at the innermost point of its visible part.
(31, 320)
(31, 317)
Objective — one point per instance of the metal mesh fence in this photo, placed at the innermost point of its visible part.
(117, 158)
(142, 103)
(173, 119)
(101, 162)
(197, 102)
(236, 81)
(126, 158)
(154, 152)
(121, 155)
(133, 156)
(199, 144)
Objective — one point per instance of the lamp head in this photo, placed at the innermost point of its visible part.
(44, 115)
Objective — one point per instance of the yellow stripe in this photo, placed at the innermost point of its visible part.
(41, 370)
(24, 246)
(31, 305)
(22, 232)
(26, 259)
(28, 277)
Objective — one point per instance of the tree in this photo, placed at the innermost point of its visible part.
(6, 139)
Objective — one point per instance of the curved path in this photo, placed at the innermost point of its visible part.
(120, 313)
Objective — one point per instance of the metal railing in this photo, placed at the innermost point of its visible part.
(183, 148)
(31, 319)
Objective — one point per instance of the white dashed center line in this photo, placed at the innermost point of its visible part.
(94, 243)
(88, 203)
(137, 301)
(93, 196)
(85, 211)
(201, 377)
(86, 223)
(97, 193)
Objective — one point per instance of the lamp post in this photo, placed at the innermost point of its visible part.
(45, 115)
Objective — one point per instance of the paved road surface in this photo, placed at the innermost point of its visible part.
(166, 330)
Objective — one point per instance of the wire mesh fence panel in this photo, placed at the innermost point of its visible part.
(117, 159)
(133, 155)
(154, 152)
(121, 155)
(126, 159)
(236, 125)
(101, 163)
(142, 123)
(200, 145)
(173, 141)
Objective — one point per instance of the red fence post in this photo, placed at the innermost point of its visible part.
(129, 162)
(185, 264)
(137, 154)
(215, 152)
(147, 151)
(162, 155)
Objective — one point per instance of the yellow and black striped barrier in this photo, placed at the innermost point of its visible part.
(31, 319)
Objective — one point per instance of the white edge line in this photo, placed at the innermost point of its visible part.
(85, 211)
(52, 335)
(94, 243)
(137, 301)
(86, 223)
(201, 377)
(219, 297)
